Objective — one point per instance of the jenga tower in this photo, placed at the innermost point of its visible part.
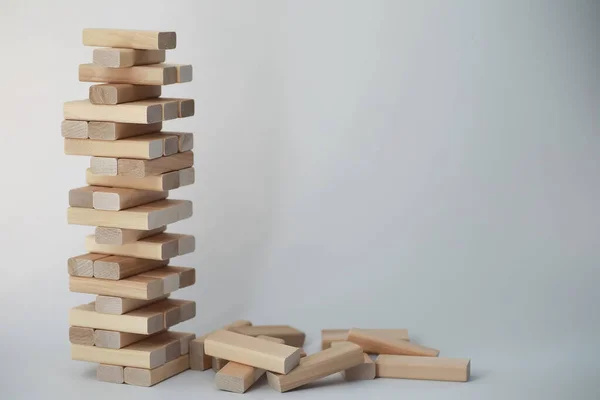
(133, 166)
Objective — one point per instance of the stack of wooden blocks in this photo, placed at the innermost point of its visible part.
(133, 166)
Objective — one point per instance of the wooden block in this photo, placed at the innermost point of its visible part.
(252, 351)
(82, 336)
(169, 278)
(109, 373)
(318, 365)
(134, 112)
(341, 335)
(168, 181)
(186, 107)
(74, 129)
(83, 196)
(218, 363)
(428, 368)
(158, 166)
(183, 310)
(184, 339)
(119, 267)
(159, 247)
(147, 146)
(101, 130)
(155, 74)
(381, 344)
(361, 372)
(83, 265)
(106, 235)
(199, 361)
(130, 39)
(117, 93)
(145, 217)
(123, 58)
(134, 287)
(170, 108)
(121, 305)
(150, 377)
(184, 72)
(291, 336)
(104, 165)
(185, 140)
(115, 199)
(115, 340)
(187, 276)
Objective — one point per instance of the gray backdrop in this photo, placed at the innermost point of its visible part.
(426, 165)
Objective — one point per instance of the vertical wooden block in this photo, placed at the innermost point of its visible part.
(428, 368)
(116, 199)
(110, 373)
(150, 377)
(74, 129)
(218, 363)
(119, 267)
(83, 265)
(123, 58)
(115, 340)
(118, 236)
(101, 130)
(381, 344)
(119, 305)
(130, 39)
(82, 336)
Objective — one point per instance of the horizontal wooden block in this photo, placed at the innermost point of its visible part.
(131, 39)
(83, 196)
(150, 377)
(361, 372)
(341, 335)
(170, 108)
(184, 72)
(381, 344)
(199, 361)
(144, 217)
(118, 236)
(187, 275)
(147, 146)
(186, 140)
(102, 130)
(83, 265)
(120, 267)
(117, 93)
(82, 336)
(110, 373)
(134, 112)
(123, 58)
(427, 368)
(159, 247)
(158, 166)
(155, 74)
(168, 181)
(291, 336)
(74, 129)
(116, 340)
(120, 305)
(116, 199)
(252, 351)
(134, 287)
(186, 107)
(318, 365)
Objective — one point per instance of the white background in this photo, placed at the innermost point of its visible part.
(424, 165)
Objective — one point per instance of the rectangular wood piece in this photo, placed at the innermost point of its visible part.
(155, 74)
(329, 336)
(104, 130)
(121, 305)
(427, 368)
(147, 147)
(109, 373)
(381, 344)
(118, 236)
(120, 267)
(83, 265)
(158, 166)
(82, 336)
(168, 181)
(116, 199)
(130, 39)
(117, 93)
(150, 377)
(291, 336)
(116, 340)
(74, 129)
(199, 361)
(134, 112)
(159, 247)
(123, 58)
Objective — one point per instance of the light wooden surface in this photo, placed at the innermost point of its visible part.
(318, 365)
(120, 305)
(134, 112)
(130, 39)
(150, 377)
(167, 181)
(252, 351)
(159, 247)
(110, 373)
(186, 140)
(120, 267)
(184, 74)
(186, 107)
(291, 336)
(170, 279)
(134, 287)
(82, 336)
(115, 199)
(117, 93)
(103, 130)
(147, 146)
(74, 129)
(341, 335)
(218, 363)
(103, 165)
(114, 339)
(158, 166)
(155, 74)
(83, 196)
(382, 344)
(199, 360)
(118, 236)
(144, 217)
(184, 340)
(122, 58)
(83, 265)
(187, 275)
(428, 368)
(361, 372)
(170, 108)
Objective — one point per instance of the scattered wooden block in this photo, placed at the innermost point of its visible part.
(252, 351)
(116, 199)
(147, 146)
(184, 72)
(83, 196)
(130, 39)
(82, 336)
(134, 287)
(199, 361)
(156, 74)
(428, 368)
(291, 336)
(119, 267)
(158, 166)
(168, 181)
(83, 265)
(381, 344)
(318, 365)
(341, 335)
(159, 247)
(117, 93)
(361, 372)
(109, 373)
(150, 377)
(186, 140)
(116, 340)
(120, 305)
(123, 58)
(101, 130)
(134, 112)
(144, 217)
(118, 236)
(74, 129)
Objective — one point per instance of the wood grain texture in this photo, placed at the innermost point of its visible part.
(83, 265)
(159, 247)
(117, 93)
(83, 196)
(144, 217)
(74, 129)
(158, 166)
(103, 130)
(120, 305)
(110, 373)
(199, 360)
(134, 112)
(329, 336)
(116, 199)
(150, 377)
(187, 275)
(118, 236)
(134, 287)
(130, 39)
(120, 267)
(381, 344)
(427, 368)
(155, 74)
(167, 181)
(252, 351)
(115, 340)
(123, 58)
(291, 336)
(147, 146)
(82, 336)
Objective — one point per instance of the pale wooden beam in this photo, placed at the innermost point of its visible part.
(134, 112)
(199, 360)
(119, 267)
(82, 336)
(381, 344)
(155, 74)
(120, 305)
(116, 199)
(117, 93)
(122, 58)
(428, 368)
(102, 130)
(146, 146)
(83, 265)
(118, 236)
(110, 373)
(150, 377)
(130, 39)
(329, 336)
(115, 340)
(166, 181)
(291, 336)
(74, 129)
(159, 247)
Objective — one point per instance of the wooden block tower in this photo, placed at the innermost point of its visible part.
(134, 165)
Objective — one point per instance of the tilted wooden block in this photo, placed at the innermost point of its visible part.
(74, 129)
(82, 336)
(158, 166)
(428, 368)
(134, 112)
(362, 372)
(159, 247)
(116, 199)
(83, 196)
(381, 344)
(150, 377)
(144, 217)
(117, 93)
(130, 39)
(110, 373)
(122, 58)
(199, 361)
(318, 365)
(252, 351)
(116, 340)
(184, 72)
(120, 267)
(341, 335)
(167, 181)
(155, 74)
(291, 336)
(121, 305)
(83, 265)
(102, 130)
(134, 287)
(147, 146)
(118, 236)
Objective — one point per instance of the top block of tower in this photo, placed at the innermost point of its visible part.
(129, 39)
